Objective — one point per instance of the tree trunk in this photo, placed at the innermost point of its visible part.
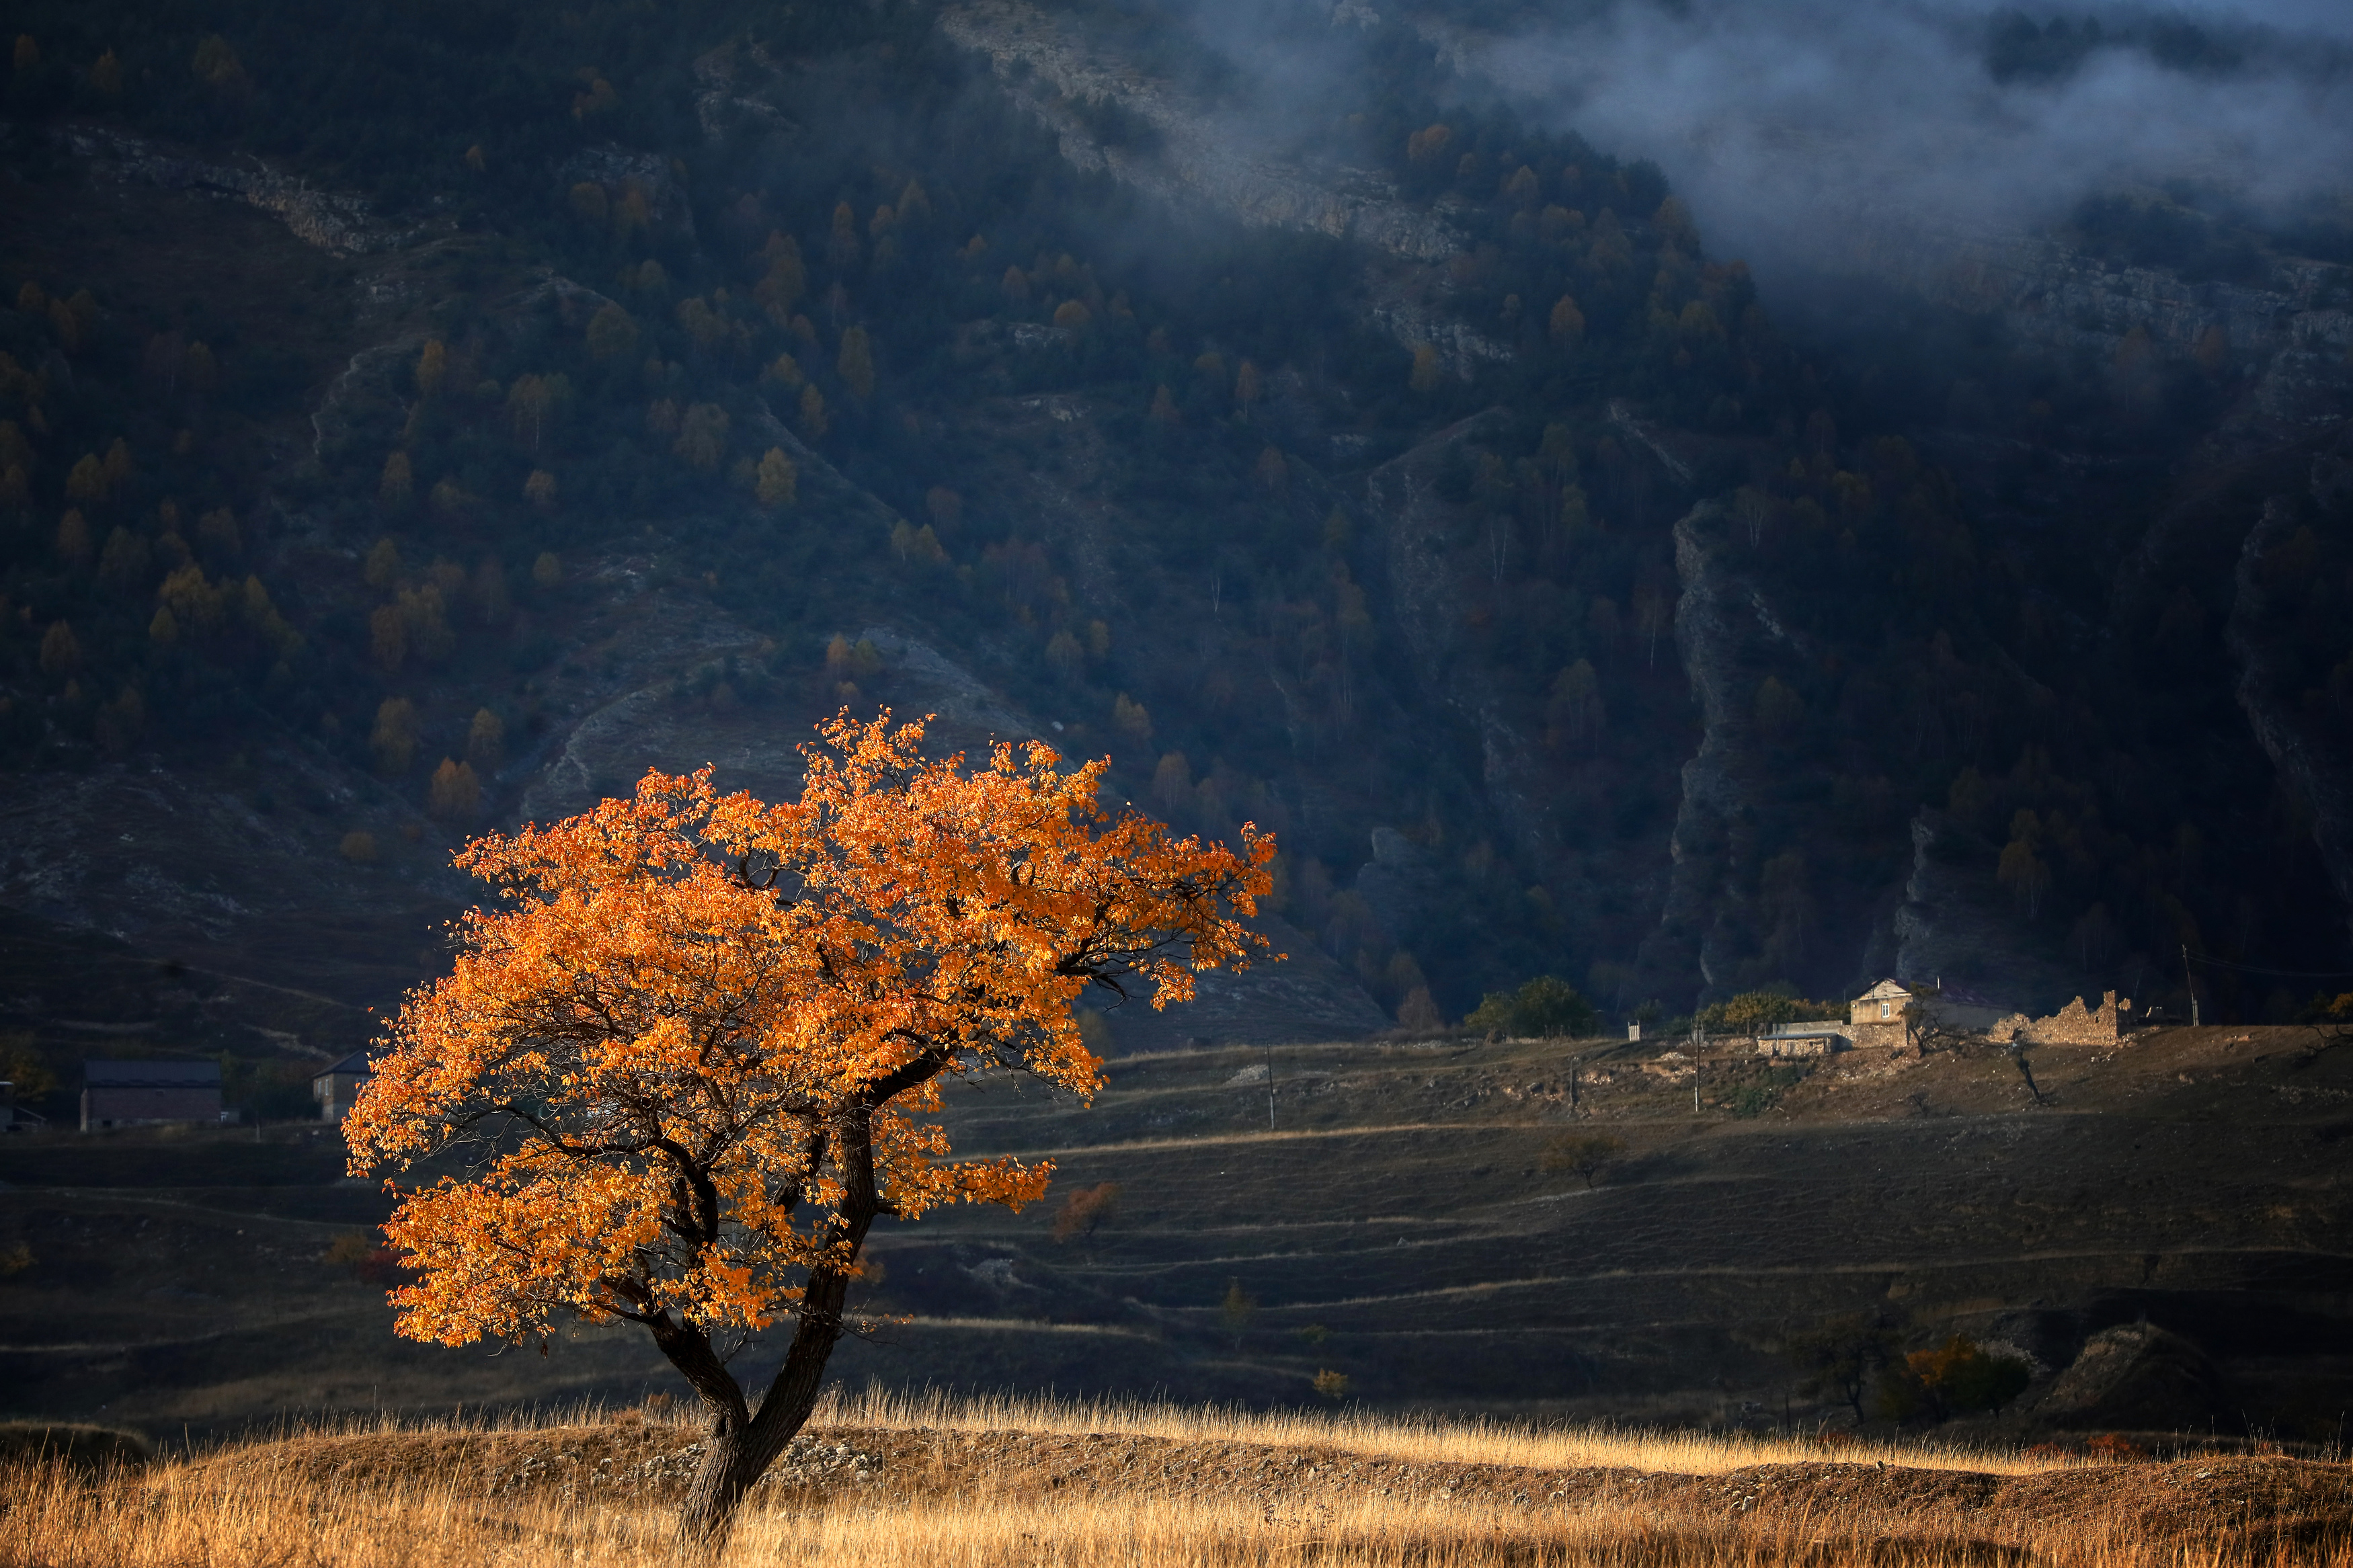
(742, 1450)
(740, 1455)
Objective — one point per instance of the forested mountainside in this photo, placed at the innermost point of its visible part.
(421, 416)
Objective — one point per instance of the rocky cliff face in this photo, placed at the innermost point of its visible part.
(2287, 336)
(1219, 157)
(339, 221)
(1702, 924)
(2306, 745)
(1542, 803)
(1205, 154)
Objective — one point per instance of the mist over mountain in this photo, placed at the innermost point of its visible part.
(1780, 119)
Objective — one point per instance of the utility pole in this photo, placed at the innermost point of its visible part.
(2189, 980)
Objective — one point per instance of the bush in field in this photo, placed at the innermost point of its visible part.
(1839, 1356)
(1955, 1377)
(1543, 1006)
(1582, 1153)
(362, 1257)
(1084, 1211)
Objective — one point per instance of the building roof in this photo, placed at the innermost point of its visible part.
(1885, 990)
(152, 1075)
(1809, 1027)
(356, 1065)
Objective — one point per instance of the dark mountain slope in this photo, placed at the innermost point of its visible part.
(413, 425)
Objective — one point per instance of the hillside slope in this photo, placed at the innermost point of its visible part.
(1416, 483)
(1395, 1226)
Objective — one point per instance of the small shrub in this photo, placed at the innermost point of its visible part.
(1961, 1374)
(2115, 1446)
(1239, 1308)
(1752, 1099)
(365, 1258)
(1332, 1385)
(14, 1260)
(1582, 1153)
(1084, 1211)
(1898, 1394)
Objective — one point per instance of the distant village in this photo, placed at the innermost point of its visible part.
(1891, 1016)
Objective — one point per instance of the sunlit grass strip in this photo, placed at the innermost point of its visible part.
(1476, 1441)
(1422, 1440)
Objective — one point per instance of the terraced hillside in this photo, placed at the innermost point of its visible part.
(1397, 1226)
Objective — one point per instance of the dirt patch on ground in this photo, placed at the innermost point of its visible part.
(2289, 1502)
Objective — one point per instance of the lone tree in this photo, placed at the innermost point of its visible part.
(1839, 1356)
(1582, 1154)
(1085, 1210)
(684, 1060)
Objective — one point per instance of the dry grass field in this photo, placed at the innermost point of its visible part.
(892, 1482)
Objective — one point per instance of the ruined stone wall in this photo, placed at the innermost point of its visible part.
(2074, 1025)
(1800, 1046)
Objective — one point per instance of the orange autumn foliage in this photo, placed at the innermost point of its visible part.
(691, 1051)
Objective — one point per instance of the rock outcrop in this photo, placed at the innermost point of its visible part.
(336, 221)
(1200, 156)
(2288, 336)
(1714, 622)
(1954, 921)
(2135, 1377)
(1417, 524)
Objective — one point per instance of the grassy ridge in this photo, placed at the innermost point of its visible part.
(893, 1481)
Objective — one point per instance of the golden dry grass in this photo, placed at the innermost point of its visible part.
(249, 1507)
(1433, 1440)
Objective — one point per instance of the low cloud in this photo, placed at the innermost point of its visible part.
(1785, 120)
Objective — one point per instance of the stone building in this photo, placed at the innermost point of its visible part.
(1814, 1037)
(334, 1088)
(148, 1094)
(1876, 1017)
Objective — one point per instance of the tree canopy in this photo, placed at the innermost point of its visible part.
(1543, 1006)
(691, 1048)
